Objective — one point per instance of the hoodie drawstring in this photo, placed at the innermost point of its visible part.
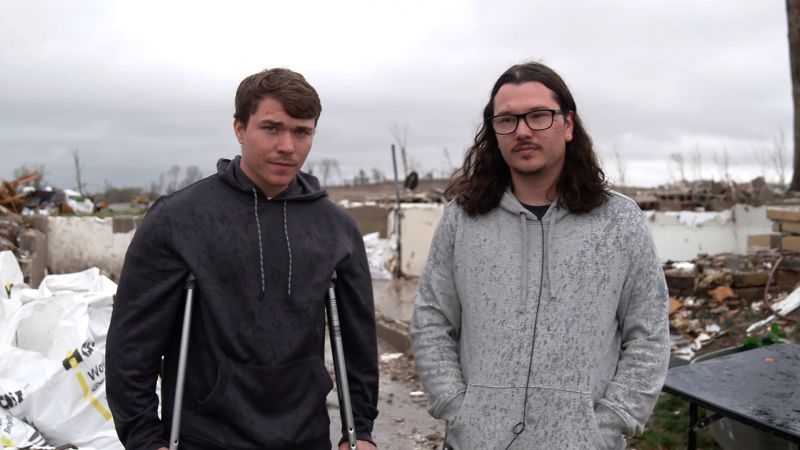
(520, 426)
(261, 245)
(523, 229)
(288, 247)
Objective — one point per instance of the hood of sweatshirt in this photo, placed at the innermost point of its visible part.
(303, 188)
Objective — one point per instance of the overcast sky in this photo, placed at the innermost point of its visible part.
(137, 87)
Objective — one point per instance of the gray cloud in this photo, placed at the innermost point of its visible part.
(140, 87)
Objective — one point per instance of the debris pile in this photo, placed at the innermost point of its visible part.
(18, 235)
(703, 195)
(9, 197)
(20, 197)
(721, 297)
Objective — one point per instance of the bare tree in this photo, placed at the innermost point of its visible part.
(400, 136)
(450, 165)
(762, 157)
(723, 163)
(191, 175)
(677, 159)
(793, 19)
(76, 158)
(361, 178)
(377, 175)
(172, 178)
(326, 167)
(620, 165)
(697, 163)
(23, 170)
(309, 166)
(779, 158)
(157, 187)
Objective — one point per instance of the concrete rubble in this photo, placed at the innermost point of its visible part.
(716, 300)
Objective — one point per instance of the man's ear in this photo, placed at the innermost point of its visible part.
(569, 126)
(238, 129)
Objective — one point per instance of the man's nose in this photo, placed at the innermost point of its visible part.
(523, 131)
(286, 143)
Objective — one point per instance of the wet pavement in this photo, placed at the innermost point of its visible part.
(403, 423)
(395, 298)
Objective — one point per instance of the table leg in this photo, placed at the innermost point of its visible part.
(692, 424)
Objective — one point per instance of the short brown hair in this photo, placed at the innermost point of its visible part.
(298, 97)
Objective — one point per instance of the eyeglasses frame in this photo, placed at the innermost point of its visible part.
(552, 112)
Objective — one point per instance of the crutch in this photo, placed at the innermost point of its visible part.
(342, 386)
(178, 405)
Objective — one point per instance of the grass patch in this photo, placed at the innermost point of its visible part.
(666, 429)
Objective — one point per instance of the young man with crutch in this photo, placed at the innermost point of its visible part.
(262, 240)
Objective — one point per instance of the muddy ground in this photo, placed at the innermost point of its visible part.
(403, 422)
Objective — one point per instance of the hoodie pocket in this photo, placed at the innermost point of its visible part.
(453, 423)
(555, 419)
(271, 405)
(595, 428)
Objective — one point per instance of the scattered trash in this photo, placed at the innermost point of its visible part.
(709, 295)
(386, 357)
(783, 307)
(418, 396)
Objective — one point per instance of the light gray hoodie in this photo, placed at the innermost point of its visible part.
(570, 311)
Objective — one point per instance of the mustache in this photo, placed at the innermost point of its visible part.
(526, 144)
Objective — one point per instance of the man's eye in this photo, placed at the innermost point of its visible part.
(302, 132)
(270, 128)
(506, 119)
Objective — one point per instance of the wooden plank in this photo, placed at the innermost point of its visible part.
(784, 213)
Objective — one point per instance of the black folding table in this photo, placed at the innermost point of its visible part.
(759, 387)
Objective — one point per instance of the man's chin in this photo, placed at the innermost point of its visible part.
(529, 172)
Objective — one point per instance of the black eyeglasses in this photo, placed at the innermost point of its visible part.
(538, 120)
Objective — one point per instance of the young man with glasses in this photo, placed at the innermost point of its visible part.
(540, 320)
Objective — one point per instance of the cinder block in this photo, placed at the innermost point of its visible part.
(750, 279)
(123, 224)
(788, 278)
(35, 242)
(790, 243)
(756, 242)
(790, 227)
(679, 282)
(750, 293)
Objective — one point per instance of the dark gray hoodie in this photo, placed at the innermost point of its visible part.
(256, 377)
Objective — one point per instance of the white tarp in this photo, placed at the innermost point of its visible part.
(378, 252)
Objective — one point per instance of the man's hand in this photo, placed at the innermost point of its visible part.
(360, 445)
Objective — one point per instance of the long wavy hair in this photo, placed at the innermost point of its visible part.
(478, 185)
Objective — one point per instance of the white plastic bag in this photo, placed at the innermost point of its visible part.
(52, 352)
(16, 433)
